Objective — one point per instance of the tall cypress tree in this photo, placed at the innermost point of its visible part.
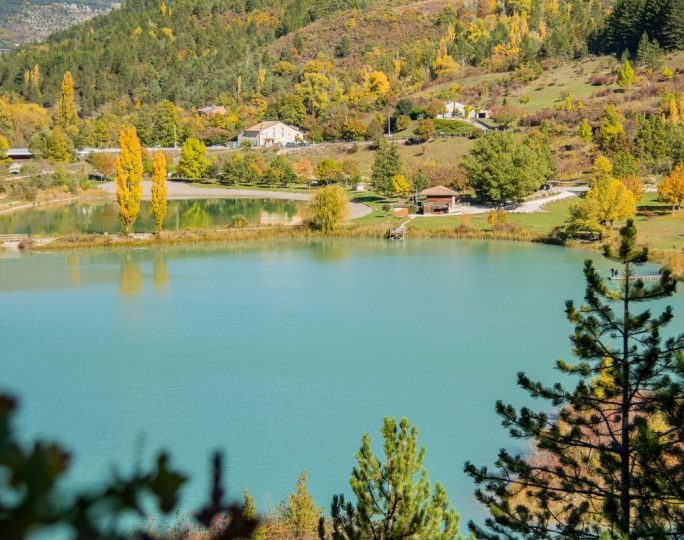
(610, 456)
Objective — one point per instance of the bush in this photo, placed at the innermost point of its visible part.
(453, 127)
(328, 208)
(239, 221)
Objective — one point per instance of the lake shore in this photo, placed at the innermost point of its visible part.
(182, 191)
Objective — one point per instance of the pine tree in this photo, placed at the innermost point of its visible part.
(393, 499)
(605, 459)
(158, 200)
(387, 164)
(301, 513)
(67, 114)
(129, 169)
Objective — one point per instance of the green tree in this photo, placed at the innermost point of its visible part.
(301, 513)
(625, 74)
(425, 129)
(502, 167)
(60, 146)
(649, 53)
(394, 499)
(611, 135)
(328, 209)
(625, 165)
(604, 463)
(280, 172)
(387, 164)
(193, 163)
(329, 170)
(584, 131)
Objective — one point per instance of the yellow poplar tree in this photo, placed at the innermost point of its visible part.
(129, 169)
(672, 188)
(444, 64)
(67, 114)
(602, 170)
(674, 111)
(158, 201)
(610, 201)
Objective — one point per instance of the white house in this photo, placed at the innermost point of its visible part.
(270, 133)
(454, 109)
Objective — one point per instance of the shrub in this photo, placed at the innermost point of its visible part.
(239, 221)
(453, 127)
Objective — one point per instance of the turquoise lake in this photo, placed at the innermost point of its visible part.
(283, 354)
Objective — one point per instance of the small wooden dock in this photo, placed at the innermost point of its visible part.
(397, 234)
(649, 277)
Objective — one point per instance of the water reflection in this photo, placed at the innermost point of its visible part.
(74, 265)
(130, 276)
(102, 216)
(329, 250)
(160, 272)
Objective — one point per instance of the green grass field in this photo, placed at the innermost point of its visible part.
(441, 150)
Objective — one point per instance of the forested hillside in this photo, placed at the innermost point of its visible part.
(335, 68)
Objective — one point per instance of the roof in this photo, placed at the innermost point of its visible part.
(211, 108)
(267, 124)
(439, 191)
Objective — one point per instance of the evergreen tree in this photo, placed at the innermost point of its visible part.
(129, 169)
(387, 164)
(158, 200)
(649, 53)
(301, 513)
(393, 499)
(605, 460)
(67, 114)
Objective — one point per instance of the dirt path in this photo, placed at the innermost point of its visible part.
(180, 190)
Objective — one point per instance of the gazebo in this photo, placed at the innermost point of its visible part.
(438, 200)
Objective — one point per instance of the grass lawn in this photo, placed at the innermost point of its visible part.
(658, 226)
(554, 214)
(441, 150)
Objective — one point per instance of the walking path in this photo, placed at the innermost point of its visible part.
(180, 190)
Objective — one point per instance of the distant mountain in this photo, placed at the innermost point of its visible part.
(23, 21)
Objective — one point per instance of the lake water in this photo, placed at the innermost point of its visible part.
(283, 355)
(102, 216)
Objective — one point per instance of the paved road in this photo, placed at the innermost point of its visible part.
(180, 190)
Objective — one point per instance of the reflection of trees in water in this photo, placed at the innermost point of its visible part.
(101, 217)
(160, 272)
(130, 276)
(329, 250)
(74, 265)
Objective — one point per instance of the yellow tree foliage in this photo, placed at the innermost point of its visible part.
(635, 185)
(400, 184)
(602, 171)
(66, 106)
(610, 201)
(261, 80)
(129, 169)
(444, 64)
(674, 110)
(376, 83)
(158, 201)
(4, 146)
(671, 189)
(304, 169)
(328, 208)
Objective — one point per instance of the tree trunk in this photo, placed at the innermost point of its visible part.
(625, 475)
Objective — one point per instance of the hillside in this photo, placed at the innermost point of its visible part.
(24, 21)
